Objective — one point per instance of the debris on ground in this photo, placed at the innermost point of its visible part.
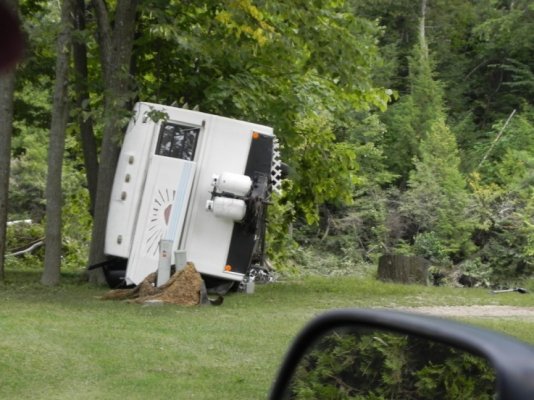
(517, 289)
(185, 287)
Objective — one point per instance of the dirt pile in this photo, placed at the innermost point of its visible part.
(185, 287)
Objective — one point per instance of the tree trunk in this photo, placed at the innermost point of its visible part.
(423, 17)
(7, 89)
(403, 269)
(422, 31)
(54, 194)
(115, 52)
(85, 121)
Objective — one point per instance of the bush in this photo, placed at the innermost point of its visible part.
(429, 246)
(379, 365)
(475, 273)
(20, 236)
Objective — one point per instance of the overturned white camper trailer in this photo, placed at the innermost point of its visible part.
(198, 180)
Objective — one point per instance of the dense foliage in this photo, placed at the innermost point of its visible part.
(372, 364)
(394, 120)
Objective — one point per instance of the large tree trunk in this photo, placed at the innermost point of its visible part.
(115, 52)
(85, 121)
(7, 89)
(54, 194)
(403, 269)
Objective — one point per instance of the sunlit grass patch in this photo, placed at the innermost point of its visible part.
(63, 343)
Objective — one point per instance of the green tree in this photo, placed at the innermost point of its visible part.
(31, 124)
(424, 152)
(437, 200)
(410, 119)
(80, 52)
(504, 52)
(504, 203)
(272, 62)
(326, 170)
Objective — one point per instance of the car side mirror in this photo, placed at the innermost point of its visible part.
(382, 354)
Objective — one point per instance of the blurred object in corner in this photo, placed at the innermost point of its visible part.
(11, 38)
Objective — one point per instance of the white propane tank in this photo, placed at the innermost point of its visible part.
(232, 183)
(224, 207)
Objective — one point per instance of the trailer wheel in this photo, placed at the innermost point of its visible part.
(115, 272)
(219, 286)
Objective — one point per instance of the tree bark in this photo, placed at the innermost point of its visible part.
(85, 121)
(422, 32)
(56, 148)
(7, 90)
(423, 17)
(403, 269)
(116, 47)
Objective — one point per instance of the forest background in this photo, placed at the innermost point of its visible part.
(408, 126)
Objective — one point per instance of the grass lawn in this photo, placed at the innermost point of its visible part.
(65, 343)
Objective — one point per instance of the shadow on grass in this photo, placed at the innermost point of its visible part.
(26, 286)
(30, 277)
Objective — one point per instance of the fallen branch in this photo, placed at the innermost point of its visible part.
(31, 247)
(20, 221)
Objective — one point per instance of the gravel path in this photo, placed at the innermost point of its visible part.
(475, 311)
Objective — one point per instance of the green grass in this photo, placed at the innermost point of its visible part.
(65, 343)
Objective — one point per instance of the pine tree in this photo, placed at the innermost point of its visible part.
(437, 199)
(410, 119)
(426, 92)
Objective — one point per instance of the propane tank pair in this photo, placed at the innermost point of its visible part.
(227, 207)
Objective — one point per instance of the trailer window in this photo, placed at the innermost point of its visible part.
(177, 141)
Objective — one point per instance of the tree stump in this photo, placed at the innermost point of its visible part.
(403, 269)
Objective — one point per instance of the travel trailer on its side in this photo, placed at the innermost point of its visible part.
(198, 181)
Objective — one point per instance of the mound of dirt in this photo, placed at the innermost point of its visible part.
(185, 287)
